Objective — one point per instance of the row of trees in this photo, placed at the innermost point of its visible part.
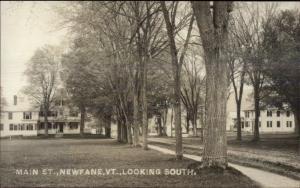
(263, 52)
(129, 61)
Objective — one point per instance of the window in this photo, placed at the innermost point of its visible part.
(22, 126)
(278, 113)
(269, 123)
(259, 124)
(247, 124)
(15, 127)
(30, 127)
(269, 113)
(278, 123)
(11, 127)
(289, 124)
(247, 114)
(1, 127)
(42, 125)
(50, 114)
(287, 113)
(27, 115)
(15, 99)
(10, 115)
(73, 125)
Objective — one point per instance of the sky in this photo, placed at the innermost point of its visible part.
(26, 26)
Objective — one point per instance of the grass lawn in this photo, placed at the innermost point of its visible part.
(62, 154)
(276, 153)
(52, 136)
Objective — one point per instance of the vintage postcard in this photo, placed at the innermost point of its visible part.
(150, 94)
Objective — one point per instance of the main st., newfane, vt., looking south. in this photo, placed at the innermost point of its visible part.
(150, 94)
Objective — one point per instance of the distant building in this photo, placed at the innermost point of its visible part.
(20, 118)
(170, 124)
(271, 120)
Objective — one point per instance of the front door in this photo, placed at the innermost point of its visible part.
(61, 127)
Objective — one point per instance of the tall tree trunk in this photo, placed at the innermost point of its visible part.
(215, 143)
(202, 120)
(135, 119)
(124, 132)
(159, 126)
(119, 131)
(297, 122)
(195, 123)
(108, 126)
(172, 120)
(144, 103)
(46, 120)
(176, 69)
(296, 112)
(129, 133)
(165, 115)
(187, 122)
(177, 109)
(82, 118)
(257, 109)
(238, 100)
(212, 23)
(238, 115)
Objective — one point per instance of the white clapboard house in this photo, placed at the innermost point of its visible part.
(271, 120)
(20, 118)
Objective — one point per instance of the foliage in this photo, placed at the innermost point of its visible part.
(282, 43)
(42, 73)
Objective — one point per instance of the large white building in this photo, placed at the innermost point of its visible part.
(21, 118)
(18, 118)
(271, 120)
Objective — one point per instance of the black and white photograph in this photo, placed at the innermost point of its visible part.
(150, 94)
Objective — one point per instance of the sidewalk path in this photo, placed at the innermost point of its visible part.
(266, 179)
(275, 158)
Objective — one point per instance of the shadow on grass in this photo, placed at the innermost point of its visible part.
(197, 167)
(65, 136)
(223, 176)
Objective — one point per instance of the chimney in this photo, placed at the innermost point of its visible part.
(15, 100)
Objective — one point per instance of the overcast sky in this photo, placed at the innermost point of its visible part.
(26, 26)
